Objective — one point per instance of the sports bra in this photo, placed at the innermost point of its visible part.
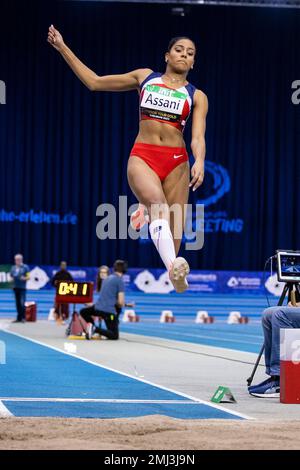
(164, 104)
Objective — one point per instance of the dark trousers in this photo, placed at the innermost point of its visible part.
(20, 295)
(111, 321)
(273, 319)
(62, 311)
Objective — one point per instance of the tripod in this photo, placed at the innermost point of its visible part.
(289, 288)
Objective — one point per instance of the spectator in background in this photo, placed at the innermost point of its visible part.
(61, 275)
(20, 275)
(103, 273)
(112, 292)
(61, 310)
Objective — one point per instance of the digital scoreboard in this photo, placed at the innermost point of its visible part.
(71, 292)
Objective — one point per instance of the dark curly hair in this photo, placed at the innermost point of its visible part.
(120, 266)
(176, 39)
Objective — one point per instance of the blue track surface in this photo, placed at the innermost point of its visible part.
(247, 337)
(38, 372)
(115, 410)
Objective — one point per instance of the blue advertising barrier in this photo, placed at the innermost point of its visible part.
(157, 280)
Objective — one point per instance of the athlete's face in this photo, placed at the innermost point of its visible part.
(182, 55)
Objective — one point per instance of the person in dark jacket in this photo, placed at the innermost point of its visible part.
(61, 310)
(112, 293)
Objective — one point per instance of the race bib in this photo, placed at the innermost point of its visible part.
(162, 103)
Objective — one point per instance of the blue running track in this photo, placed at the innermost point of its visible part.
(248, 338)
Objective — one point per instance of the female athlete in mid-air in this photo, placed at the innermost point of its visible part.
(158, 167)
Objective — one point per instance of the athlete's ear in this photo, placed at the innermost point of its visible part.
(166, 57)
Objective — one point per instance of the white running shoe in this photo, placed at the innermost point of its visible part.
(139, 218)
(89, 331)
(178, 272)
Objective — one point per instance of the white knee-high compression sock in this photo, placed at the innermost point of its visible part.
(163, 240)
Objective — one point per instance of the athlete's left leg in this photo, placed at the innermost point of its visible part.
(176, 190)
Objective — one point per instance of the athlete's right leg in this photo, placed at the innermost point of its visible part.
(139, 217)
(147, 188)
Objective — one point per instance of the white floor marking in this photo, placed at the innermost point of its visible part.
(5, 325)
(212, 405)
(4, 412)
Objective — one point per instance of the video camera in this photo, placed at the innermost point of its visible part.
(288, 266)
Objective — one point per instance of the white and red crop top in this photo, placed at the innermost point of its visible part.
(164, 104)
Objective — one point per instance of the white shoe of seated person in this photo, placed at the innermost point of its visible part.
(89, 331)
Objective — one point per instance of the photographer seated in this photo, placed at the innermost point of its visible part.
(273, 319)
(112, 292)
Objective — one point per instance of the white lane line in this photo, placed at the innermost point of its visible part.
(161, 387)
(4, 412)
(98, 400)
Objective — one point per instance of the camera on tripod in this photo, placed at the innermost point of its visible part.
(288, 271)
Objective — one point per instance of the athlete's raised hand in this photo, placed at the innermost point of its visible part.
(55, 38)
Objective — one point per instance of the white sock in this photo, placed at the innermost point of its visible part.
(163, 240)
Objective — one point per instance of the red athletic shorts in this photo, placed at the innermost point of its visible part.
(161, 159)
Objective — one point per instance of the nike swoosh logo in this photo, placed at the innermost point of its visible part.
(177, 156)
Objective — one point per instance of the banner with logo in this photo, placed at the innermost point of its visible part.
(157, 280)
(5, 279)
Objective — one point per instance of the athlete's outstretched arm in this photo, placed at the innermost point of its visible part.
(198, 138)
(122, 82)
